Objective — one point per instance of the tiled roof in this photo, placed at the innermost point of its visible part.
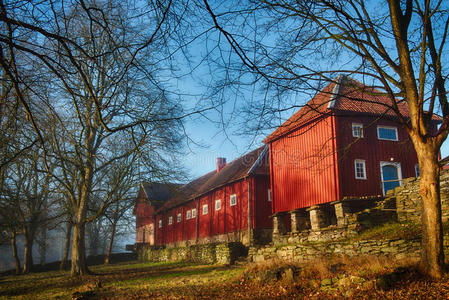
(252, 163)
(158, 192)
(342, 95)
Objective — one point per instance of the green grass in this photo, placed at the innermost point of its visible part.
(133, 279)
(391, 231)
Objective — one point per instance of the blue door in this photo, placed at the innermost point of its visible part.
(390, 177)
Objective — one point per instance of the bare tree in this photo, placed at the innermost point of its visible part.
(397, 48)
(27, 200)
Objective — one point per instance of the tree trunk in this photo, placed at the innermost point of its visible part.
(14, 251)
(43, 246)
(68, 235)
(79, 263)
(111, 243)
(28, 251)
(432, 255)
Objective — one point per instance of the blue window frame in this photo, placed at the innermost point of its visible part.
(387, 133)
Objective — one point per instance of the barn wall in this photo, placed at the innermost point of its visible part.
(217, 223)
(303, 166)
(261, 219)
(144, 220)
(373, 151)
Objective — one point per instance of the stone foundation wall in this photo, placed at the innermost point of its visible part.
(221, 253)
(304, 252)
(409, 203)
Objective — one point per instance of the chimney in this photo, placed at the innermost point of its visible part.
(221, 163)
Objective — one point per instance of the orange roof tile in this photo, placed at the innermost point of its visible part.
(343, 95)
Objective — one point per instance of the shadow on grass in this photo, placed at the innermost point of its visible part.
(40, 284)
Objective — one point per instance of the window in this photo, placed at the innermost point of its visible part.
(178, 217)
(417, 171)
(194, 213)
(360, 169)
(170, 220)
(269, 195)
(205, 208)
(218, 204)
(160, 223)
(387, 133)
(189, 214)
(357, 130)
(233, 200)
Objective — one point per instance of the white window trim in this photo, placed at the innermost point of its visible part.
(233, 196)
(387, 127)
(179, 218)
(160, 223)
(193, 213)
(218, 207)
(363, 162)
(269, 195)
(386, 163)
(205, 206)
(417, 170)
(170, 220)
(360, 132)
(188, 215)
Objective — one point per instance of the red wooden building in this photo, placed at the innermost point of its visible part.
(231, 203)
(150, 197)
(344, 142)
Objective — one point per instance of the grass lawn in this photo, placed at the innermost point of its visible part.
(123, 280)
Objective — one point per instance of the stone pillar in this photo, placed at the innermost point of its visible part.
(278, 224)
(298, 220)
(341, 209)
(317, 218)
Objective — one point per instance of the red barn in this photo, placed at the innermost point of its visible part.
(150, 197)
(231, 203)
(345, 142)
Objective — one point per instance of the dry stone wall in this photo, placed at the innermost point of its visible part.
(398, 248)
(221, 253)
(409, 202)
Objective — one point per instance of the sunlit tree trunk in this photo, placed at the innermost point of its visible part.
(432, 255)
(28, 250)
(111, 243)
(79, 263)
(14, 251)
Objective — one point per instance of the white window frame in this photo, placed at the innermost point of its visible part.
(417, 170)
(359, 126)
(269, 195)
(179, 217)
(188, 215)
(218, 204)
(160, 223)
(387, 127)
(205, 209)
(397, 165)
(170, 220)
(193, 213)
(231, 198)
(363, 162)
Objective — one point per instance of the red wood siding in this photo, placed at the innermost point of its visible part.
(144, 220)
(215, 222)
(303, 168)
(373, 151)
(262, 207)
